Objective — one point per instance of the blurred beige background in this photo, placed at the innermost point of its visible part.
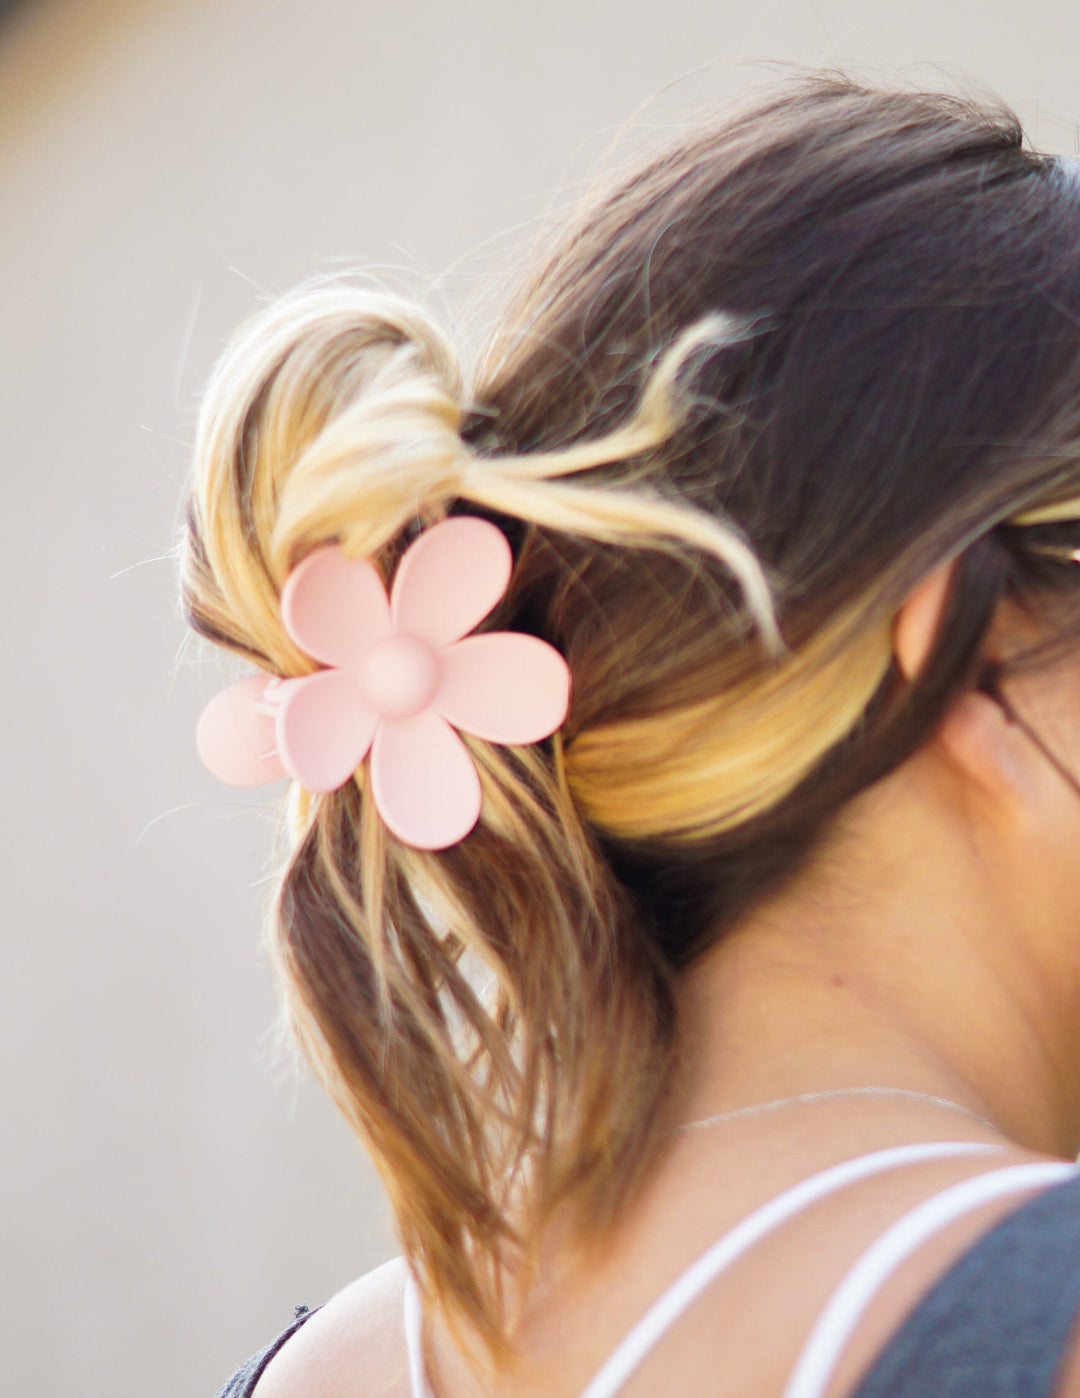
(170, 1187)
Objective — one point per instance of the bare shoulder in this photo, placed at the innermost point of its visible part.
(354, 1347)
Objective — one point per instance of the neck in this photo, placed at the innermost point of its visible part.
(868, 973)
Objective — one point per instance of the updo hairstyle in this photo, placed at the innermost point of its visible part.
(741, 402)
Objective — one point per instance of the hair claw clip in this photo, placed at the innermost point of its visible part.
(402, 674)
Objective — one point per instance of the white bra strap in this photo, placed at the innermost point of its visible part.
(611, 1376)
(418, 1384)
(819, 1357)
(659, 1318)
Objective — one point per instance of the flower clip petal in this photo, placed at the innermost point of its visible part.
(335, 608)
(424, 783)
(504, 686)
(324, 729)
(449, 579)
(235, 736)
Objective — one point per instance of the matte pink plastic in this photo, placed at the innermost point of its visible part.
(424, 782)
(402, 675)
(235, 735)
(503, 686)
(324, 728)
(335, 608)
(449, 580)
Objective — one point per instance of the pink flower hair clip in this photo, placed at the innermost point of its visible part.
(402, 673)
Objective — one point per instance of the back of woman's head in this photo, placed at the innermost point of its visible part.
(749, 395)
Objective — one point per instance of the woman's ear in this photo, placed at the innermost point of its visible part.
(975, 734)
(916, 623)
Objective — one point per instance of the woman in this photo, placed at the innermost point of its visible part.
(710, 1006)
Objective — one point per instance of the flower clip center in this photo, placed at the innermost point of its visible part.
(400, 675)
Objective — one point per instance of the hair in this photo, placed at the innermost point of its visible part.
(744, 398)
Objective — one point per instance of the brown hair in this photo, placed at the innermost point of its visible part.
(773, 374)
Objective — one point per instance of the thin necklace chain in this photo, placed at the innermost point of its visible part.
(837, 1092)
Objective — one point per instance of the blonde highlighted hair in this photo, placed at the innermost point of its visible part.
(754, 389)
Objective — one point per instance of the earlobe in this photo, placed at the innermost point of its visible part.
(977, 740)
(974, 735)
(969, 733)
(916, 623)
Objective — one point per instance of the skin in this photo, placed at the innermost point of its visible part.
(933, 945)
(936, 943)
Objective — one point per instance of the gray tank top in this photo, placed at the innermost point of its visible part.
(997, 1323)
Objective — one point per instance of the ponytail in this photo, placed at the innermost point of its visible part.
(489, 1018)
